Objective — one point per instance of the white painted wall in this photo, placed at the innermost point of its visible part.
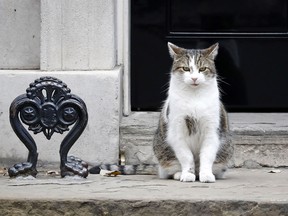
(78, 34)
(79, 42)
(19, 34)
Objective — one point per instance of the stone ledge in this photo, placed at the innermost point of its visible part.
(261, 139)
(243, 192)
(140, 207)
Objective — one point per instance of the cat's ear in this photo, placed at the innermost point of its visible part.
(212, 51)
(174, 50)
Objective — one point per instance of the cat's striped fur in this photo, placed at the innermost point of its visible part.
(140, 169)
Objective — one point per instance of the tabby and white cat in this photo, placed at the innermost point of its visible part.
(193, 133)
(192, 140)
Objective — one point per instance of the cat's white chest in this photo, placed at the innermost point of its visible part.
(202, 104)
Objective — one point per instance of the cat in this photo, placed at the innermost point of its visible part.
(192, 108)
(192, 140)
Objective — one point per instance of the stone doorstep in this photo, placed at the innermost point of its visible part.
(140, 208)
(243, 192)
(261, 139)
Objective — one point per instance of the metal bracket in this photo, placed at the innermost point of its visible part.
(49, 107)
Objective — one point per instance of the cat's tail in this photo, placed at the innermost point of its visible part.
(141, 169)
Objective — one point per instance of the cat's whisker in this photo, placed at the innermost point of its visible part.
(221, 80)
(221, 91)
(166, 87)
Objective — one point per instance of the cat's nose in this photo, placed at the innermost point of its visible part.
(194, 79)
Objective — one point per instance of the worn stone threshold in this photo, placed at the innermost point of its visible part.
(243, 192)
(261, 139)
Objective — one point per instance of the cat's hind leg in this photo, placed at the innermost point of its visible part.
(177, 176)
(219, 169)
(170, 172)
(163, 173)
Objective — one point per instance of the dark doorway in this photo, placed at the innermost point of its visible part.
(252, 60)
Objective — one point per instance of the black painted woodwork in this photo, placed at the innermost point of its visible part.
(252, 59)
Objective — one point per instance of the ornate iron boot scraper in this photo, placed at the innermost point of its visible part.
(49, 107)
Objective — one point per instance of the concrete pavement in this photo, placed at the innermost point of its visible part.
(243, 192)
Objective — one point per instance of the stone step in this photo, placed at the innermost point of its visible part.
(261, 139)
(244, 192)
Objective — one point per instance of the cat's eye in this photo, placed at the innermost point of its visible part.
(202, 69)
(186, 68)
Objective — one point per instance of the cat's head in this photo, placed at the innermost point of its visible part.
(195, 67)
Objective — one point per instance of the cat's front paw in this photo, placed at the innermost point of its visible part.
(206, 177)
(187, 177)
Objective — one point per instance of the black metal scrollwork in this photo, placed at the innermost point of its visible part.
(49, 107)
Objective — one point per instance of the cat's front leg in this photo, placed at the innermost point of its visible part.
(186, 160)
(208, 153)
